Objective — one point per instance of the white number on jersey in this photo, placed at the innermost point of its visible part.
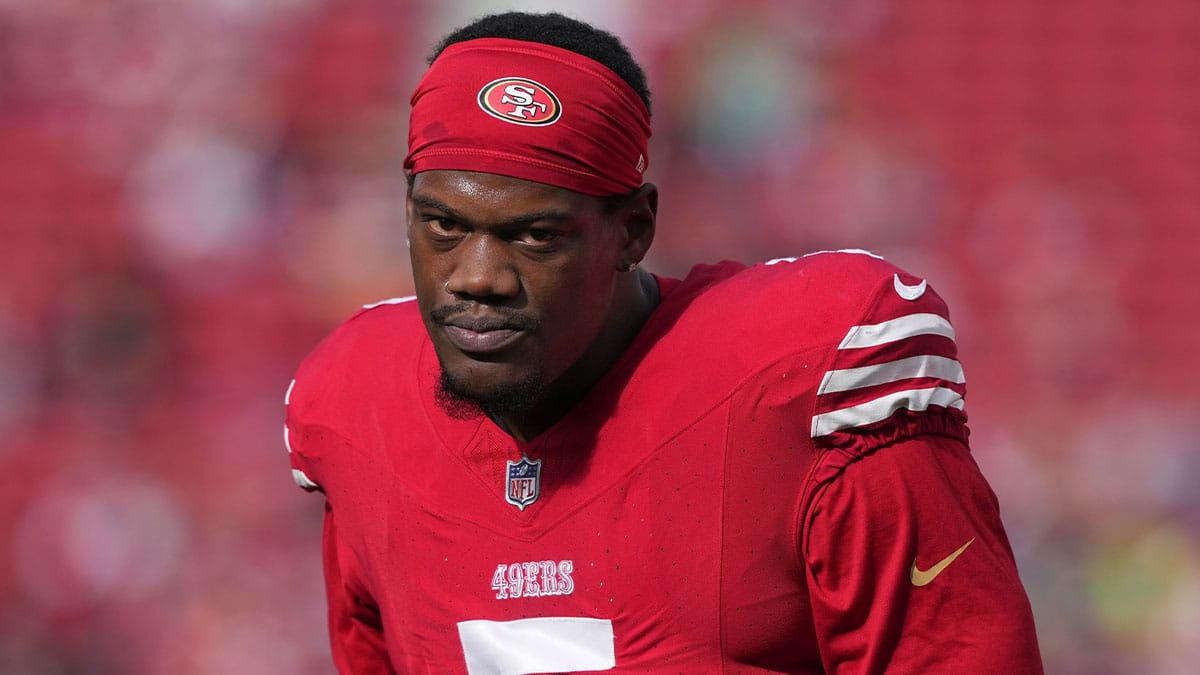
(549, 644)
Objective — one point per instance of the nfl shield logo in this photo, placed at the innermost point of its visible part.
(524, 481)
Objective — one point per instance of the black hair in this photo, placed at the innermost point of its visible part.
(559, 31)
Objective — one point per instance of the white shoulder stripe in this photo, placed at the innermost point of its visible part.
(792, 259)
(873, 335)
(304, 481)
(287, 443)
(391, 301)
(883, 407)
(926, 365)
(854, 251)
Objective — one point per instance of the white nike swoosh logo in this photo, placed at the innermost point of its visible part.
(908, 292)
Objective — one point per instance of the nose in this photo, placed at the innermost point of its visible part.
(483, 269)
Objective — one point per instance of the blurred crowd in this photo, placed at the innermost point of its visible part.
(192, 193)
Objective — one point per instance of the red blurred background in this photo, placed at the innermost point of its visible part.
(193, 193)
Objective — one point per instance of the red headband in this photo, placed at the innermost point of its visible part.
(532, 111)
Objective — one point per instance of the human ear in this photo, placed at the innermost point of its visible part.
(638, 218)
(408, 207)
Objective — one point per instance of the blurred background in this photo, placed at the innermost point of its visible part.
(192, 193)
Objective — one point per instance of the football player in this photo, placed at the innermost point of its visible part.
(554, 460)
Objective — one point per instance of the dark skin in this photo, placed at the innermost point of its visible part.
(525, 282)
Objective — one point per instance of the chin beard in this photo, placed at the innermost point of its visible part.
(508, 399)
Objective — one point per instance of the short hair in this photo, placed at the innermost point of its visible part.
(559, 31)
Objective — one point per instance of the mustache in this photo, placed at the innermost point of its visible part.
(497, 318)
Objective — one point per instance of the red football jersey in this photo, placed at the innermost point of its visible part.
(774, 478)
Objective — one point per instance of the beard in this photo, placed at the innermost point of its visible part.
(456, 398)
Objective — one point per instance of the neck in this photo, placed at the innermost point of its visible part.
(636, 297)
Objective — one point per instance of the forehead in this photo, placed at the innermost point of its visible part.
(492, 196)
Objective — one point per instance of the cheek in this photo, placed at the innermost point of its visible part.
(576, 304)
(427, 284)
(426, 266)
(573, 283)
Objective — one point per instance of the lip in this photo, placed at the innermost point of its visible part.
(486, 341)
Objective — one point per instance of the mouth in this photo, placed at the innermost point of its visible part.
(472, 341)
(481, 335)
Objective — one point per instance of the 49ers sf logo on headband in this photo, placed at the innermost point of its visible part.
(520, 101)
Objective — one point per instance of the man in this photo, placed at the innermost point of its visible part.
(555, 461)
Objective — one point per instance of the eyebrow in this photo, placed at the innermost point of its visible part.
(521, 220)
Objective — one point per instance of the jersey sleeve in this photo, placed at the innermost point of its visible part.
(292, 441)
(910, 570)
(908, 565)
(321, 402)
(355, 626)
(895, 373)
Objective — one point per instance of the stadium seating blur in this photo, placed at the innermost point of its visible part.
(193, 193)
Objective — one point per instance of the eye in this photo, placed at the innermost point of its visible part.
(442, 227)
(536, 237)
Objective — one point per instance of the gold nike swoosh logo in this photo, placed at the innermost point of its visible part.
(923, 577)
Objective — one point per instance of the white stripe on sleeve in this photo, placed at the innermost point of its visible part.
(304, 481)
(881, 408)
(926, 365)
(873, 335)
(391, 301)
